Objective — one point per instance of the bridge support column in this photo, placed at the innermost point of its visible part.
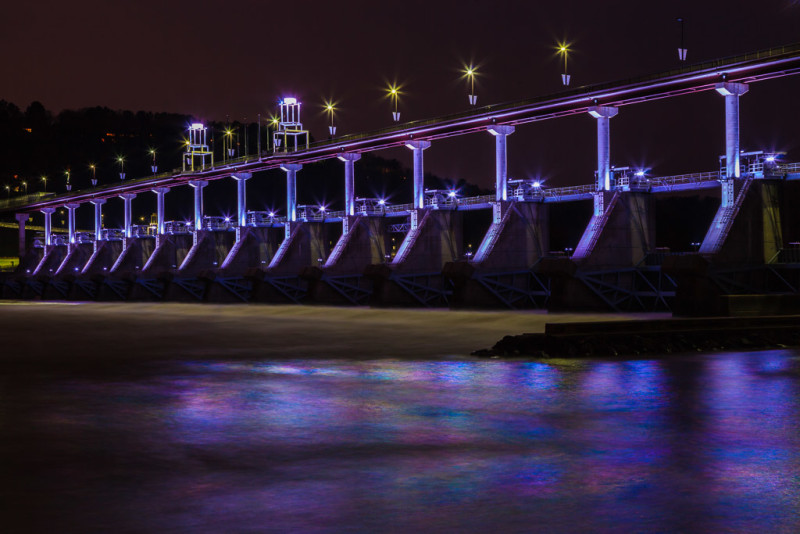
(71, 221)
(731, 92)
(603, 114)
(198, 186)
(500, 132)
(128, 198)
(349, 182)
(22, 218)
(48, 225)
(241, 201)
(160, 192)
(98, 218)
(291, 189)
(419, 172)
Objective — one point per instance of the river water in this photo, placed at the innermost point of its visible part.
(701, 443)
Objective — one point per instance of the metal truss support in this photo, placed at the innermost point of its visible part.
(356, 289)
(517, 289)
(632, 289)
(60, 286)
(429, 289)
(773, 279)
(118, 287)
(241, 288)
(14, 287)
(35, 286)
(194, 286)
(291, 287)
(154, 286)
(88, 287)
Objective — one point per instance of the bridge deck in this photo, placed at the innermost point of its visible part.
(748, 68)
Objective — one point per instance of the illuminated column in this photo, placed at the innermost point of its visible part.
(127, 198)
(349, 182)
(21, 220)
(419, 171)
(500, 132)
(160, 192)
(98, 216)
(71, 221)
(198, 186)
(603, 114)
(731, 92)
(241, 196)
(48, 225)
(291, 189)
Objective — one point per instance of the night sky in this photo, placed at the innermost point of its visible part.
(215, 59)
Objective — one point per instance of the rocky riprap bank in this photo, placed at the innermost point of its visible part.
(650, 337)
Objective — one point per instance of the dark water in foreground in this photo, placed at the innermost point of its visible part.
(706, 443)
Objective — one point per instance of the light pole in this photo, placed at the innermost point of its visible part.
(329, 108)
(25, 185)
(121, 161)
(563, 49)
(94, 174)
(229, 144)
(44, 181)
(69, 185)
(394, 95)
(153, 166)
(8, 190)
(473, 98)
(245, 136)
(682, 50)
(275, 121)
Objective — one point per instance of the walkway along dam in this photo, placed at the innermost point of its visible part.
(311, 255)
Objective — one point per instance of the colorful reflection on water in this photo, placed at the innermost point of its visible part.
(705, 443)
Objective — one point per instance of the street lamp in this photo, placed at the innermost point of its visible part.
(473, 98)
(394, 96)
(93, 167)
(275, 122)
(153, 167)
(563, 49)
(121, 161)
(329, 108)
(229, 142)
(25, 185)
(8, 190)
(44, 181)
(69, 185)
(682, 50)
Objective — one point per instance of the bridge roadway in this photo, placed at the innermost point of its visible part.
(745, 69)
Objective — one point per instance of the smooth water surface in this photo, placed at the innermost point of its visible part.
(705, 443)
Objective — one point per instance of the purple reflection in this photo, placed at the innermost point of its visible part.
(704, 443)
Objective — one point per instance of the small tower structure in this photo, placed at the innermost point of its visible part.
(289, 126)
(197, 147)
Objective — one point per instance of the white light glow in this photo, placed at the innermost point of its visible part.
(197, 126)
(290, 101)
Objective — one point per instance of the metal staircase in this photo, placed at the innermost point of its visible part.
(490, 239)
(594, 229)
(411, 238)
(341, 244)
(284, 247)
(723, 220)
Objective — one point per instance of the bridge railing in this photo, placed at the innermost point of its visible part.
(789, 167)
(683, 179)
(8, 203)
(471, 201)
(559, 192)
